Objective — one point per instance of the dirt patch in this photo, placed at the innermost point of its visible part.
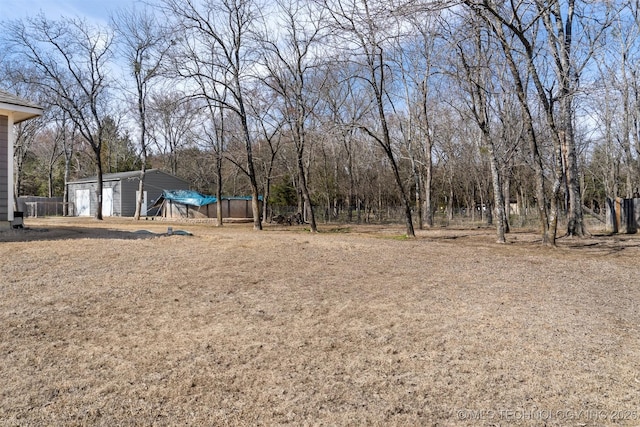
(103, 324)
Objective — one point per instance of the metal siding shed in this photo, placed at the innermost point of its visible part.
(125, 187)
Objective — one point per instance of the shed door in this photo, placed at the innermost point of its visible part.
(107, 201)
(83, 200)
(143, 208)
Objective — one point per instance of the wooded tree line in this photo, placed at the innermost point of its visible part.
(347, 110)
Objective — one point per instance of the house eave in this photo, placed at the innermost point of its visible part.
(20, 112)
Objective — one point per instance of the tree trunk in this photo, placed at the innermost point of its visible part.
(498, 195)
(450, 202)
(506, 184)
(419, 201)
(68, 154)
(555, 196)
(428, 184)
(560, 40)
(65, 194)
(98, 214)
(265, 200)
(255, 202)
(219, 222)
(575, 226)
(307, 205)
(140, 198)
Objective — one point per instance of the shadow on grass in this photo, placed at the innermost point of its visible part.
(604, 243)
(34, 234)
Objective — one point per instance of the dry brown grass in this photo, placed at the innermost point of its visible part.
(353, 326)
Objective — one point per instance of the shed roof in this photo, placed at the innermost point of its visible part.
(20, 107)
(119, 176)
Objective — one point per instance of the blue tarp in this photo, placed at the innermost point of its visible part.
(188, 197)
(192, 198)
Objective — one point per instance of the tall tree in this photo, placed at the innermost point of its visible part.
(216, 51)
(345, 103)
(416, 59)
(72, 60)
(215, 132)
(144, 43)
(363, 26)
(48, 150)
(265, 112)
(479, 81)
(291, 59)
(69, 141)
(567, 56)
(559, 25)
(615, 94)
(519, 77)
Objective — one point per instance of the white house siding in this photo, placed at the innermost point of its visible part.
(12, 110)
(5, 169)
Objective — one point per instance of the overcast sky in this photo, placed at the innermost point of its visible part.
(97, 10)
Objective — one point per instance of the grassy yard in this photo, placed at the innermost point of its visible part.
(103, 324)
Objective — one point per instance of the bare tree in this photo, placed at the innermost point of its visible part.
(72, 59)
(361, 25)
(68, 139)
(144, 43)
(215, 133)
(216, 51)
(264, 111)
(560, 28)
(478, 77)
(567, 56)
(615, 96)
(25, 135)
(345, 103)
(48, 149)
(519, 77)
(514, 20)
(171, 116)
(290, 60)
(416, 59)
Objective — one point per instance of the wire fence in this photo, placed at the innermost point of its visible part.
(41, 209)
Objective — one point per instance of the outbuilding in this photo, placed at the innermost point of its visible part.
(120, 192)
(13, 110)
(191, 204)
